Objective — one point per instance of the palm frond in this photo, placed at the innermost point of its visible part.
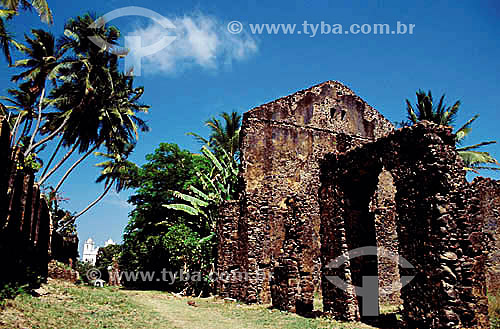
(463, 131)
(471, 158)
(475, 146)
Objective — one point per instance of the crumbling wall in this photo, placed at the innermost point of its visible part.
(437, 228)
(383, 206)
(488, 191)
(281, 145)
(25, 223)
(228, 257)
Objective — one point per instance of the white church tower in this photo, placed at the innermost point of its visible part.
(90, 252)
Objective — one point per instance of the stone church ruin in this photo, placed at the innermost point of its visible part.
(323, 173)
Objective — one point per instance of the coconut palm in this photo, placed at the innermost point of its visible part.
(11, 9)
(40, 6)
(6, 38)
(20, 106)
(112, 121)
(425, 109)
(42, 59)
(97, 103)
(117, 171)
(224, 135)
(473, 159)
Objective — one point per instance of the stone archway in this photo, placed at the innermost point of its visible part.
(437, 227)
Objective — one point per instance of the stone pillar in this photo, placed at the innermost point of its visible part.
(230, 279)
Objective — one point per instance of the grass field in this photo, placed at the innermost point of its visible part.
(68, 306)
(64, 305)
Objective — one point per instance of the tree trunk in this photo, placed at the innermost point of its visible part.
(106, 190)
(15, 129)
(65, 157)
(52, 135)
(52, 157)
(77, 162)
(37, 126)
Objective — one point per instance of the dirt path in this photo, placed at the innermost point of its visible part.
(216, 314)
(177, 313)
(63, 305)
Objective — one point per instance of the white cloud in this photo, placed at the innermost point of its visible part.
(114, 199)
(201, 40)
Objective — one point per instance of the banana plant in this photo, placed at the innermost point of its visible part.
(218, 184)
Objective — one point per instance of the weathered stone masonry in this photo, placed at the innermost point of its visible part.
(488, 192)
(282, 143)
(26, 237)
(439, 227)
(403, 191)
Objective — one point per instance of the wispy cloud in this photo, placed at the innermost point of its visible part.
(201, 40)
(114, 198)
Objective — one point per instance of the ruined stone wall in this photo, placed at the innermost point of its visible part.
(383, 207)
(488, 191)
(228, 257)
(25, 223)
(437, 228)
(281, 144)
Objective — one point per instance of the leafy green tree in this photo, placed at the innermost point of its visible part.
(105, 258)
(157, 237)
(441, 114)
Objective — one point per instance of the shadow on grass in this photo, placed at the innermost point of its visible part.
(388, 320)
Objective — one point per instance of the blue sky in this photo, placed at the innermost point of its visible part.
(454, 49)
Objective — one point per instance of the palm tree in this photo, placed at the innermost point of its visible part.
(20, 107)
(223, 136)
(41, 6)
(114, 121)
(6, 38)
(446, 115)
(42, 59)
(116, 170)
(425, 110)
(12, 9)
(97, 104)
(474, 160)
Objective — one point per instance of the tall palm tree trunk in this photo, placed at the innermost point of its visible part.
(51, 136)
(77, 162)
(53, 156)
(15, 129)
(65, 157)
(106, 190)
(37, 126)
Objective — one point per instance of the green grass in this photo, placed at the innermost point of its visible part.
(494, 310)
(69, 306)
